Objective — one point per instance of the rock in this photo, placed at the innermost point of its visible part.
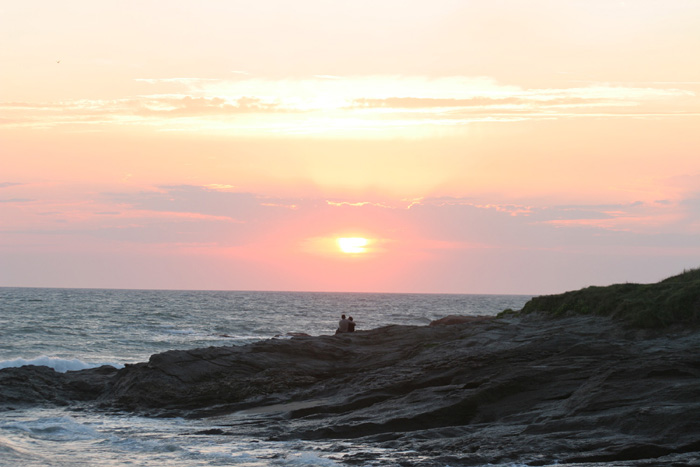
(523, 389)
(454, 319)
(40, 384)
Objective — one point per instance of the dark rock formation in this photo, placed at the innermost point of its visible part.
(40, 384)
(525, 388)
(453, 319)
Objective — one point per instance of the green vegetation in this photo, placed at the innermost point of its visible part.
(675, 300)
(507, 313)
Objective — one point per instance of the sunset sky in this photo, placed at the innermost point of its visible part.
(486, 146)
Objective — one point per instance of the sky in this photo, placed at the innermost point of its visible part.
(467, 146)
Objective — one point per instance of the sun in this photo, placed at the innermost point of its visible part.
(352, 244)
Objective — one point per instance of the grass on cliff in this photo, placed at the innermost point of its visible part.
(675, 300)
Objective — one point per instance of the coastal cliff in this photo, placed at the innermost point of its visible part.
(537, 387)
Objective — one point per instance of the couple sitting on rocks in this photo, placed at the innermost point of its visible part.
(345, 325)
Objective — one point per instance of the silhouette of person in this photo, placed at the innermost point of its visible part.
(351, 325)
(343, 325)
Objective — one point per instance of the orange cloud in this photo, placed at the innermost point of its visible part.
(357, 106)
(194, 106)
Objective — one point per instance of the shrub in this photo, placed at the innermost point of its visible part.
(675, 300)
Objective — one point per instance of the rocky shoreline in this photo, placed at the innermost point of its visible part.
(521, 388)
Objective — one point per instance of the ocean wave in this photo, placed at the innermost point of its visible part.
(61, 365)
(55, 429)
(13, 453)
(184, 332)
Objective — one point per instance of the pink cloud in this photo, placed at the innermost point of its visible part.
(446, 243)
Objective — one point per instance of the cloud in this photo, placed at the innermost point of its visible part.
(190, 199)
(512, 103)
(351, 103)
(144, 110)
(220, 187)
(210, 213)
(183, 81)
(569, 226)
(188, 106)
(17, 200)
(357, 204)
(534, 101)
(691, 207)
(9, 184)
(458, 238)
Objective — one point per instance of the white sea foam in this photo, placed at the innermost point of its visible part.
(13, 453)
(184, 332)
(56, 429)
(59, 364)
(310, 459)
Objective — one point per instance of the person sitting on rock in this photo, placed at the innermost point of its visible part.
(351, 325)
(343, 325)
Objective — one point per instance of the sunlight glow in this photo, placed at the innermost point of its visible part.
(352, 244)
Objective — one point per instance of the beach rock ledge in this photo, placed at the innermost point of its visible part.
(520, 388)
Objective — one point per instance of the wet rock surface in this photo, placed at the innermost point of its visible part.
(524, 389)
(32, 384)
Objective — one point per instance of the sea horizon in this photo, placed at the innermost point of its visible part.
(262, 291)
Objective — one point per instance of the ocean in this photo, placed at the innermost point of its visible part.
(73, 329)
